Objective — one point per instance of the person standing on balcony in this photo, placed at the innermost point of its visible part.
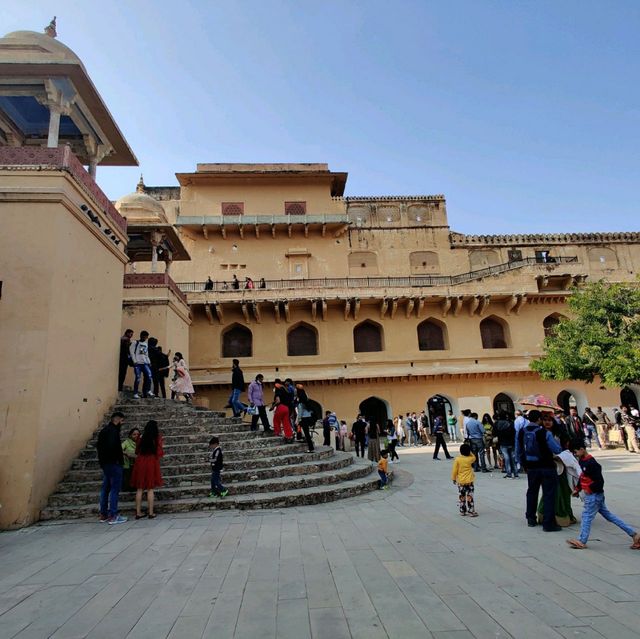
(235, 284)
(263, 284)
(139, 351)
(248, 283)
(237, 387)
(208, 286)
(125, 357)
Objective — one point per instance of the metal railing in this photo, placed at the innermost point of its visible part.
(378, 282)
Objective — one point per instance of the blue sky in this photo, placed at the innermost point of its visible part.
(525, 115)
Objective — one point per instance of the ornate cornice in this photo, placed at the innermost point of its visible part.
(543, 239)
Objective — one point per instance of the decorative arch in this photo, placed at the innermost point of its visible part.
(432, 335)
(504, 402)
(363, 263)
(302, 339)
(359, 214)
(483, 258)
(419, 214)
(374, 408)
(424, 262)
(572, 398)
(368, 337)
(388, 214)
(628, 398)
(237, 341)
(494, 332)
(602, 258)
(550, 322)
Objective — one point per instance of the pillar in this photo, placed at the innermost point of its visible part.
(54, 126)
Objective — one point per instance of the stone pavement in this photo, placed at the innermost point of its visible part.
(399, 563)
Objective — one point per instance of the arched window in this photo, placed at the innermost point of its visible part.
(549, 324)
(367, 338)
(503, 403)
(302, 340)
(431, 336)
(493, 333)
(237, 341)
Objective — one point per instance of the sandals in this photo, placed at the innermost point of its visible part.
(139, 516)
(151, 516)
(474, 514)
(636, 542)
(576, 544)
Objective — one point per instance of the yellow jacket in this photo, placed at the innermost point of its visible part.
(462, 471)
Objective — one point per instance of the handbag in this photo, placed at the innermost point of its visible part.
(252, 410)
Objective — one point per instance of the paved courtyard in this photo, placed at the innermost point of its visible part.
(400, 563)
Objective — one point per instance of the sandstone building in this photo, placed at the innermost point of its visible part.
(373, 302)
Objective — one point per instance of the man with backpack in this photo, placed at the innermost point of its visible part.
(537, 448)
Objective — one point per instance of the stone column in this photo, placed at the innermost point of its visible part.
(156, 238)
(54, 125)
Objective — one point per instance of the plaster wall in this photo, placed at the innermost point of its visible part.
(59, 322)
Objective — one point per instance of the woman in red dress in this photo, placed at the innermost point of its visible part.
(146, 471)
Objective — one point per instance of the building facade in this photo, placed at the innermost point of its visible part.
(372, 299)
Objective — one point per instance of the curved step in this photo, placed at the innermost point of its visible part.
(278, 499)
(177, 478)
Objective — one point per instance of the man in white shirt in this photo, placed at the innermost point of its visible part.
(139, 351)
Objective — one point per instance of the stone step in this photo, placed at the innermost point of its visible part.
(230, 455)
(202, 473)
(277, 499)
(260, 463)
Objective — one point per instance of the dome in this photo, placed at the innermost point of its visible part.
(38, 45)
(138, 207)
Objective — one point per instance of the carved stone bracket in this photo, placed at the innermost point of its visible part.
(446, 306)
(255, 307)
(245, 312)
(383, 307)
(356, 308)
(394, 308)
(420, 307)
(457, 305)
(208, 313)
(410, 304)
(324, 310)
(347, 309)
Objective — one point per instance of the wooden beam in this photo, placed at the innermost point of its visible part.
(205, 232)
(410, 304)
(420, 307)
(276, 311)
(446, 306)
(287, 312)
(314, 310)
(383, 307)
(347, 309)
(256, 311)
(324, 310)
(394, 307)
(245, 312)
(208, 313)
(356, 308)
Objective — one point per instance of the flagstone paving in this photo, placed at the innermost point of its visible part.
(399, 563)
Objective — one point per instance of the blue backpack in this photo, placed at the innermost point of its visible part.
(531, 446)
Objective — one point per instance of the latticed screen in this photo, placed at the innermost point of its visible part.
(233, 208)
(237, 342)
(302, 340)
(492, 333)
(430, 337)
(367, 338)
(295, 208)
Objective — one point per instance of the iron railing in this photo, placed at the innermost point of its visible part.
(379, 282)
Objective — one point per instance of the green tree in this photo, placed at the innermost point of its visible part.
(602, 338)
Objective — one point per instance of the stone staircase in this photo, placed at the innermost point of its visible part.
(260, 470)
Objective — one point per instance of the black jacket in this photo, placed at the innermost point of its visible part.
(505, 432)
(591, 480)
(216, 459)
(109, 447)
(237, 379)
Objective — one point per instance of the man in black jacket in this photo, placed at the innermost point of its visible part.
(111, 460)
(125, 358)
(237, 387)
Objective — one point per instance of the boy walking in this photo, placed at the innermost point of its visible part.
(216, 461)
(463, 476)
(139, 351)
(382, 470)
(592, 483)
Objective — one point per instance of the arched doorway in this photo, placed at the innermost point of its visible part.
(438, 405)
(502, 402)
(566, 401)
(374, 409)
(628, 398)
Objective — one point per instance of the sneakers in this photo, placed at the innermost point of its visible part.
(150, 395)
(136, 396)
(119, 519)
(103, 519)
(224, 493)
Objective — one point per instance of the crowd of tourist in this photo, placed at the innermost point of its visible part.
(235, 284)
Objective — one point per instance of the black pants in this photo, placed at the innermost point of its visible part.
(262, 414)
(392, 450)
(440, 442)
(359, 446)
(158, 384)
(122, 373)
(326, 434)
(547, 478)
(305, 424)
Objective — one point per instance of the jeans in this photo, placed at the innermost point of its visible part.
(111, 484)
(382, 482)
(145, 371)
(547, 478)
(237, 406)
(216, 484)
(509, 460)
(477, 448)
(591, 432)
(262, 414)
(594, 504)
(453, 433)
